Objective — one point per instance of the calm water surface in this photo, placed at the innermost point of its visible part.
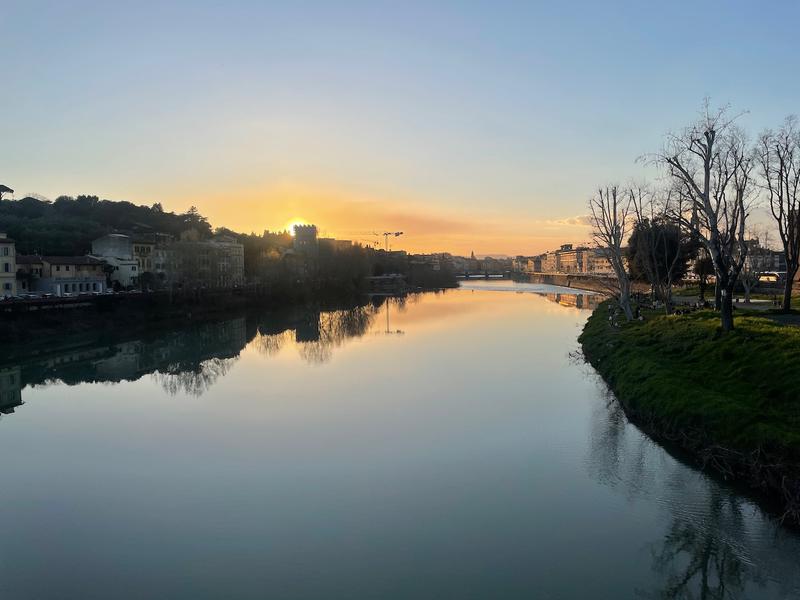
(451, 446)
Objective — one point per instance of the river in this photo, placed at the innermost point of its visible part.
(451, 445)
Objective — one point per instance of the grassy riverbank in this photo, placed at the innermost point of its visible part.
(732, 400)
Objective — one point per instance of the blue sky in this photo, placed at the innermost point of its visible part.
(481, 125)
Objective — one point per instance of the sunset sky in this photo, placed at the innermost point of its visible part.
(467, 125)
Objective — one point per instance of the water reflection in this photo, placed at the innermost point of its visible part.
(560, 295)
(191, 360)
(587, 301)
(715, 544)
(466, 458)
(695, 561)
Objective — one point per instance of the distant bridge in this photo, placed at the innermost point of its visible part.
(504, 275)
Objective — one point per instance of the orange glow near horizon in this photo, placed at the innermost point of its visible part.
(358, 217)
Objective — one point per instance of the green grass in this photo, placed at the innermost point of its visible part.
(693, 291)
(740, 389)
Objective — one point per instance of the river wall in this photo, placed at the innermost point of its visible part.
(592, 283)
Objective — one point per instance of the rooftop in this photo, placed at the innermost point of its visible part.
(70, 260)
(28, 259)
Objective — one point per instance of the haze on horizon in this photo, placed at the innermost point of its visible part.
(477, 126)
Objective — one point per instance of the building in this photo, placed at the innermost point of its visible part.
(116, 249)
(764, 260)
(123, 272)
(230, 261)
(62, 275)
(331, 245)
(549, 262)
(143, 253)
(534, 264)
(305, 240)
(598, 262)
(113, 244)
(29, 269)
(197, 264)
(8, 266)
(567, 259)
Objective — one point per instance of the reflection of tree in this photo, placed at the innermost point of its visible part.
(316, 334)
(697, 561)
(191, 359)
(271, 344)
(711, 549)
(194, 381)
(607, 434)
(334, 328)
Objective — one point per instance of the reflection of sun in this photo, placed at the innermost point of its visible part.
(290, 225)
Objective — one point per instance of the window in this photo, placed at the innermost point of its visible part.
(5, 250)
(6, 286)
(6, 267)
(67, 267)
(58, 267)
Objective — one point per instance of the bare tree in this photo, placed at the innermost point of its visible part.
(610, 209)
(779, 159)
(711, 164)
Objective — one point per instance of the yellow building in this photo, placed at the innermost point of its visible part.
(8, 266)
(144, 253)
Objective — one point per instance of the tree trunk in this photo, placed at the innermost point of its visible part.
(717, 295)
(625, 305)
(787, 290)
(703, 284)
(668, 299)
(726, 311)
(625, 297)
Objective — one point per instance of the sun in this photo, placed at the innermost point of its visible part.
(296, 221)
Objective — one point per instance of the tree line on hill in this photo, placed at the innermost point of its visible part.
(66, 226)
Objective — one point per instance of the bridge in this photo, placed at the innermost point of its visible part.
(484, 275)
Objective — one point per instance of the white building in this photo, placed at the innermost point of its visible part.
(117, 250)
(125, 271)
(113, 244)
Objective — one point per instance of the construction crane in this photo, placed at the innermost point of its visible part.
(388, 234)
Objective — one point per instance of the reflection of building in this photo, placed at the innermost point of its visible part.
(10, 389)
(188, 360)
(588, 301)
(308, 328)
(8, 266)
